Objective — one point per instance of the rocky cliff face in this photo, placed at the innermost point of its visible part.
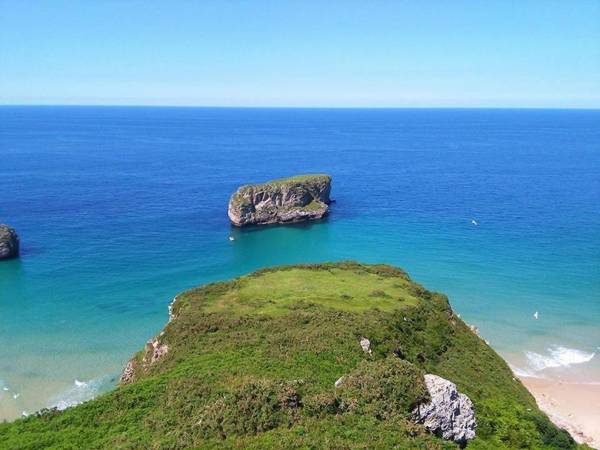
(9, 242)
(294, 199)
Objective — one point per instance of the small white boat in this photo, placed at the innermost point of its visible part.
(474, 222)
(536, 315)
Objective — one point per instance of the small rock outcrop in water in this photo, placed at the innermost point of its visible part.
(294, 199)
(9, 242)
(449, 414)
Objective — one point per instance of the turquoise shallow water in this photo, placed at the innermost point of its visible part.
(119, 209)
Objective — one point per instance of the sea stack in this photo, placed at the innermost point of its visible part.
(294, 199)
(9, 242)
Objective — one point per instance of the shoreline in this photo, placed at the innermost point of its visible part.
(574, 407)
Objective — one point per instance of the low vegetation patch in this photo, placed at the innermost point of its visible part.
(383, 388)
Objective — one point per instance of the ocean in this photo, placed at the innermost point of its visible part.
(121, 208)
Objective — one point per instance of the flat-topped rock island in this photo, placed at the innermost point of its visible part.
(293, 199)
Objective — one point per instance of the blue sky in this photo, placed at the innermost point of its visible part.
(301, 53)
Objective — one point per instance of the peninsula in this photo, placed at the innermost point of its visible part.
(337, 355)
(285, 200)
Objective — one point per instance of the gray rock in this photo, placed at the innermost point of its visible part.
(128, 373)
(449, 414)
(294, 199)
(9, 242)
(154, 351)
(365, 344)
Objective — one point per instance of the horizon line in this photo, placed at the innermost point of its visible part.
(106, 105)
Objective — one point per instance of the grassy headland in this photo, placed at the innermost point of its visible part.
(252, 362)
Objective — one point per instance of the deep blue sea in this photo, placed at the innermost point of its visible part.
(121, 208)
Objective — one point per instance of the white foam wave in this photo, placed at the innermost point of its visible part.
(80, 392)
(3, 388)
(519, 372)
(558, 356)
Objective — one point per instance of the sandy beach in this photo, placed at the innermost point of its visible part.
(574, 407)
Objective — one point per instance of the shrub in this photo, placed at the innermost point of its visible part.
(322, 404)
(383, 388)
(255, 406)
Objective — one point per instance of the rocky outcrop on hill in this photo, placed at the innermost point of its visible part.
(128, 374)
(9, 242)
(154, 351)
(365, 344)
(294, 199)
(449, 414)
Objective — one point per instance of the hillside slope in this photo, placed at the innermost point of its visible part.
(252, 362)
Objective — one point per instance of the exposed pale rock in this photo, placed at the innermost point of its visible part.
(294, 199)
(128, 373)
(155, 351)
(365, 344)
(449, 414)
(9, 242)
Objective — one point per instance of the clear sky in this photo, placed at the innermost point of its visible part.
(301, 53)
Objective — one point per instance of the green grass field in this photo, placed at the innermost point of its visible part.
(276, 292)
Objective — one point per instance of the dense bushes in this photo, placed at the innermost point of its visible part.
(383, 389)
(253, 407)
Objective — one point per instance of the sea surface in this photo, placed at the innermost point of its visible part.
(121, 208)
